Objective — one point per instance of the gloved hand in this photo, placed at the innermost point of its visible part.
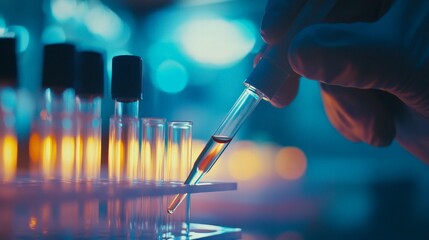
(372, 59)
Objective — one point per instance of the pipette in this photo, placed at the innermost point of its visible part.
(271, 75)
(245, 105)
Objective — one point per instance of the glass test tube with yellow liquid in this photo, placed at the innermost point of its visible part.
(124, 124)
(55, 126)
(8, 82)
(89, 93)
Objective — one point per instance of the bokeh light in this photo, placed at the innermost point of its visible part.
(245, 163)
(7, 99)
(63, 10)
(53, 34)
(22, 35)
(96, 17)
(32, 223)
(291, 163)
(159, 52)
(216, 41)
(8, 156)
(25, 111)
(48, 155)
(67, 157)
(171, 77)
(35, 147)
(102, 21)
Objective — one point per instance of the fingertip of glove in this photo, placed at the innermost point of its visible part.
(380, 142)
(269, 32)
(382, 139)
(303, 50)
(382, 132)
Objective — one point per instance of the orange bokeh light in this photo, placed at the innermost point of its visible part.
(35, 147)
(245, 163)
(32, 223)
(48, 155)
(290, 163)
(67, 157)
(8, 157)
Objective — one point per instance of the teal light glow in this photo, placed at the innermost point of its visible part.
(7, 99)
(22, 35)
(216, 41)
(25, 111)
(171, 77)
(53, 34)
(102, 21)
(63, 10)
(159, 52)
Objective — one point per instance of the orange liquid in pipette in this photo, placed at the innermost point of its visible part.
(208, 157)
(203, 164)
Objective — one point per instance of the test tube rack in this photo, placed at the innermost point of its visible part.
(37, 208)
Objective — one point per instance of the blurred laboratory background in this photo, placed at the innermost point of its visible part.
(297, 177)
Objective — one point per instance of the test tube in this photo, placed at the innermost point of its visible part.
(179, 151)
(124, 124)
(55, 126)
(89, 92)
(178, 164)
(8, 82)
(152, 149)
(152, 160)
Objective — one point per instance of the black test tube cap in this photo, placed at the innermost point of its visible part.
(127, 78)
(90, 74)
(8, 62)
(59, 62)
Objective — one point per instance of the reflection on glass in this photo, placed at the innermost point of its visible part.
(132, 158)
(8, 156)
(8, 83)
(35, 149)
(69, 214)
(136, 216)
(49, 154)
(88, 138)
(52, 141)
(8, 140)
(123, 148)
(152, 152)
(63, 220)
(178, 151)
(67, 157)
(32, 223)
(152, 160)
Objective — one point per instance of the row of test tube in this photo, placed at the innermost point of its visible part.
(136, 153)
(65, 137)
(66, 134)
(137, 149)
(72, 85)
